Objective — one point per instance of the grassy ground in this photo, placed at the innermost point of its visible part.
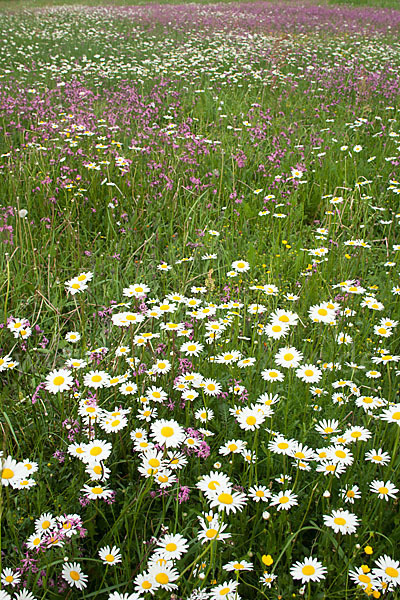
(199, 328)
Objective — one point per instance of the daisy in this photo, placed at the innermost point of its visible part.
(328, 467)
(284, 500)
(228, 357)
(167, 432)
(138, 290)
(72, 573)
(226, 500)
(259, 493)
(302, 453)
(110, 556)
(385, 490)
(11, 471)
(309, 373)
(251, 418)
(212, 483)
(156, 393)
(272, 375)
(240, 266)
(114, 424)
(340, 454)
(73, 286)
(241, 565)
(350, 493)
(59, 380)
(76, 363)
(161, 366)
(211, 387)
(357, 433)
(10, 577)
(96, 450)
(96, 492)
(192, 348)
(391, 415)
(33, 542)
(96, 379)
(362, 579)
(226, 590)
(276, 330)
(280, 445)
(310, 569)
(284, 317)
(326, 427)
(232, 446)
(128, 388)
(288, 357)
(267, 579)
(204, 414)
(145, 583)
(368, 402)
(320, 313)
(146, 413)
(387, 569)
(341, 521)
(378, 457)
(73, 337)
(172, 547)
(164, 576)
(212, 530)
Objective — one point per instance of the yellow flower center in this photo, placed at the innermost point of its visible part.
(391, 572)
(154, 462)
(9, 578)
(308, 372)
(97, 490)
(74, 575)
(340, 454)
(232, 447)
(115, 423)
(109, 558)
(224, 591)
(167, 431)
(350, 494)
(211, 533)
(7, 473)
(283, 445)
(283, 499)
(146, 585)
(225, 498)
(95, 451)
(162, 578)
(323, 312)
(288, 356)
(260, 494)
(339, 521)
(59, 380)
(171, 547)
(308, 570)
(383, 490)
(396, 415)
(251, 420)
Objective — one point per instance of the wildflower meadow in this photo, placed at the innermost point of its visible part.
(199, 316)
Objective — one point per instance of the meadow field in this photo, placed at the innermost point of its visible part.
(199, 316)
